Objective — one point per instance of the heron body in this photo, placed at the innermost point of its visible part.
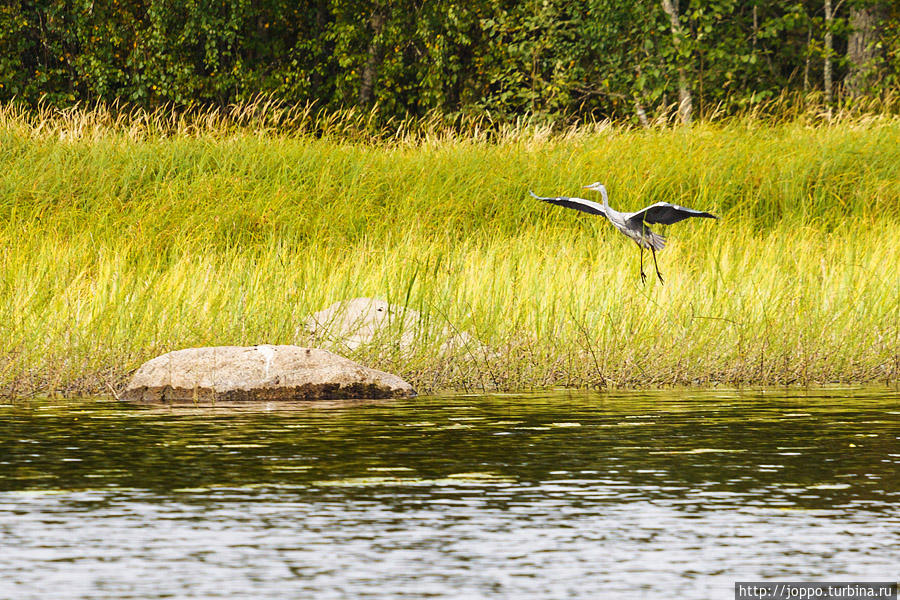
(632, 224)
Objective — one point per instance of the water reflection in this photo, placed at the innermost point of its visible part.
(564, 495)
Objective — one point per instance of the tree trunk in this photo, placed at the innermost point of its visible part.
(321, 22)
(829, 18)
(641, 114)
(373, 60)
(685, 102)
(861, 49)
(806, 64)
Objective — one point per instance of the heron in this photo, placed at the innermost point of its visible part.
(633, 224)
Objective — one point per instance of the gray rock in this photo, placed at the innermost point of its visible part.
(223, 374)
(360, 321)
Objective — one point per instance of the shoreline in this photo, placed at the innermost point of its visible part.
(798, 390)
(98, 386)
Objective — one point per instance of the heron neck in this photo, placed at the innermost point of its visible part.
(605, 198)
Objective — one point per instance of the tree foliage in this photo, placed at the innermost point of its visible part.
(554, 58)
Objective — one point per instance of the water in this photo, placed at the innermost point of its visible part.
(660, 495)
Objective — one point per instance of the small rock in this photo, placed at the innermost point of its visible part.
(222, 374)
(360, 321)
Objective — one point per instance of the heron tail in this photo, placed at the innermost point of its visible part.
(655, 241)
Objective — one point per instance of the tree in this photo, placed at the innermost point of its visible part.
(560, 60)
(685, 102)
(829, 48)
(373, 55)
(862, 47)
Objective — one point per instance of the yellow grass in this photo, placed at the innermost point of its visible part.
(125, 239)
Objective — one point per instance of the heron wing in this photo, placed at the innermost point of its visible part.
(665, 213)
(576, 203)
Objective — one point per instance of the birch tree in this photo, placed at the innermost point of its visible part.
(861, 48)
(826, 75)
(685, 102)
(373, 57)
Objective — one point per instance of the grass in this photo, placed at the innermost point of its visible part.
(121, 239)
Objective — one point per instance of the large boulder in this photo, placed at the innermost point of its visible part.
(353, 323)
(223, 374)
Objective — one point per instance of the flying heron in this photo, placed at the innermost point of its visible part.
(634, 225)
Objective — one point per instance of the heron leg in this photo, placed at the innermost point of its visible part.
(643, 277)
(655, 266)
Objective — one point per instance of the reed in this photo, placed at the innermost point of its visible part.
(127, 236)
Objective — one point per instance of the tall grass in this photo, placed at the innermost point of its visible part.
(125, 237)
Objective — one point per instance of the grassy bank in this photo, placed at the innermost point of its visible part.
(123, 241)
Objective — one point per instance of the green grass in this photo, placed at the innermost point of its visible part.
(123, 240)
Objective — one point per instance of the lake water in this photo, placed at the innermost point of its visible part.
(562, 495)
